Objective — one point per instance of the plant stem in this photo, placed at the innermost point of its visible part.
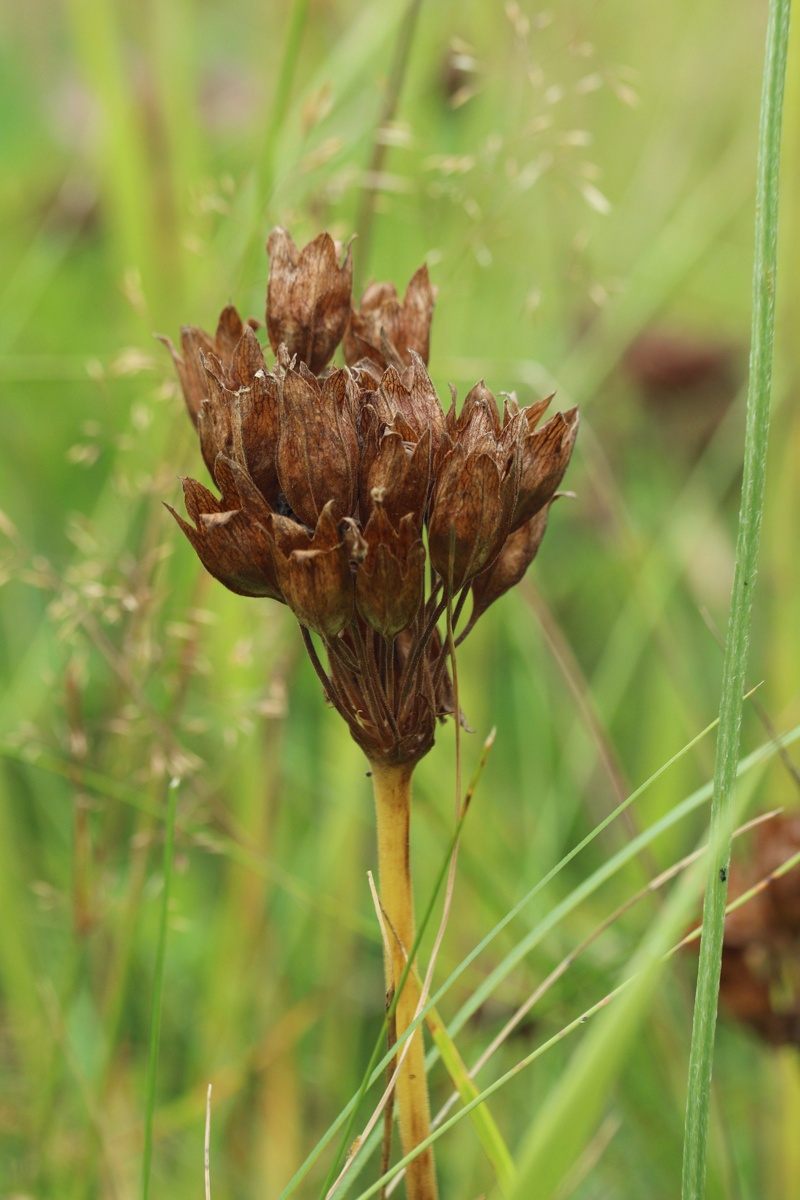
(392, 785)
(730, 717)
(158, 986)
(398, 73)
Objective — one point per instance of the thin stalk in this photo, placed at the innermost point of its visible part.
(158, 987)
(379, 147)
(419, 649)
(766, 238)
(264, 175)
(392, 786)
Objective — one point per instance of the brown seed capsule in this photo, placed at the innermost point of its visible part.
(413, 396)
(545, 456)
(386, 331)
(477, 471)
(231, 545)
(317, 456)
(328, 476)
(308, 297)
(314, 572)
(195, 343)
(390, 580)
(393, 460)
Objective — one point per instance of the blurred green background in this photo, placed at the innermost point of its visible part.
(580, 180)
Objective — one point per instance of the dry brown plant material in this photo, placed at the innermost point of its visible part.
(332, 480)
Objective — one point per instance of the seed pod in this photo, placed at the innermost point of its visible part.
(308, 297)
(386, 331)
(390, 580)
(545, 456)
(229, 543)
(314, 572)
(317, 456)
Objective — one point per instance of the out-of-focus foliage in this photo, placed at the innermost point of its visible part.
(580, 182)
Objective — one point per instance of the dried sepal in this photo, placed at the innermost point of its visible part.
(413, 396)
(470, 513)
(197, 344)
(308, 297)
(386, 331)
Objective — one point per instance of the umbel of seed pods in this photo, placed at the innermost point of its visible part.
(352, 496)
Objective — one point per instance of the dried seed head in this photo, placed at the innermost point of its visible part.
(327, 478)
(308, 297)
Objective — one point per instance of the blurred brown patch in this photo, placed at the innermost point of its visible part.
(685, 382)
(760, 980)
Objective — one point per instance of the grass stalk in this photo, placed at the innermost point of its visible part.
(158, 989)
(99, 50)
(264, 175)
(366, 213)
(761, 353)
(392, 786)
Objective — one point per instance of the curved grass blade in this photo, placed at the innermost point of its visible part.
(752, 504)
(757, 758)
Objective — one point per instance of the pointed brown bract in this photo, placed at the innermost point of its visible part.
(308, 297)
(386, 331)
(314, 572)
(317, 443)
(390, 580)
(413, 396)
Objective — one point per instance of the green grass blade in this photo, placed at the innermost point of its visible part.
(158, 988)
(757, 758)
(486, 1128)
(705, 1012)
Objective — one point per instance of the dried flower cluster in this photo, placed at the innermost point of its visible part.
(338, 484)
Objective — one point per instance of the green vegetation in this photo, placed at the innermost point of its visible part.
(576, 179)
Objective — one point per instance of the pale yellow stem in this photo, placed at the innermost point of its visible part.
(392, 787)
